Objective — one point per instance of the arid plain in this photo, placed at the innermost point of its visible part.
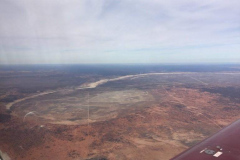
(151, 115)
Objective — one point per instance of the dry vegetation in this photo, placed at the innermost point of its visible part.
(146, 117)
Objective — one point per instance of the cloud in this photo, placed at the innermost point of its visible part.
(49, 31)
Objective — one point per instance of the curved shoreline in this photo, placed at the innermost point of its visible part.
(93, 85)
(4, 155)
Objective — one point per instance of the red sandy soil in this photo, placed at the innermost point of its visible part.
(158, 131)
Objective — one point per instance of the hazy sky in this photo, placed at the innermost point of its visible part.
(119, 31)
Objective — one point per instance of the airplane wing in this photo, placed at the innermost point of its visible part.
(224, 145)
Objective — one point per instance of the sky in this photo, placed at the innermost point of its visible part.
(119, 31)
